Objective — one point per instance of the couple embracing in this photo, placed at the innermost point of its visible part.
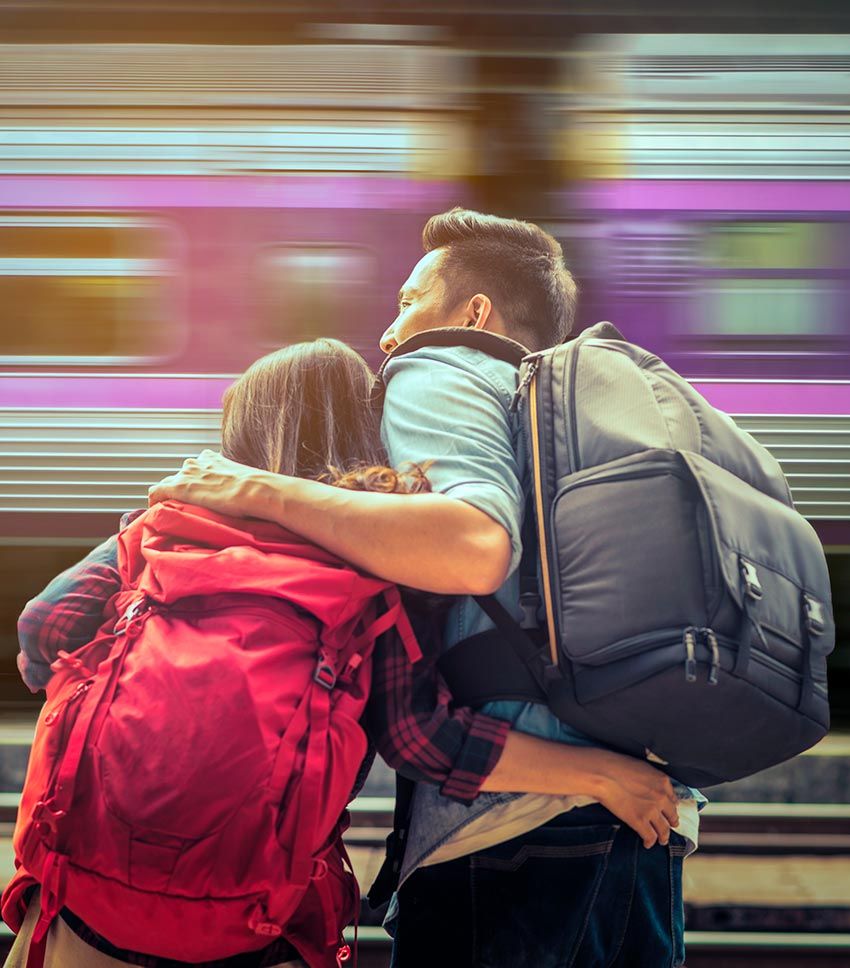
(526, 842)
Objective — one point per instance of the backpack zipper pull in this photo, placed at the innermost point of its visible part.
(81, 689)
(351, 668)
(529, 376)
(68, 660)
(690, 640)
(715, 656)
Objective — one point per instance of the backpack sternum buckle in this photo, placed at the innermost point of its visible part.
(325, 674)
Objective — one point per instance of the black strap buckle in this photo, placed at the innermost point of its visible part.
(815, 615)
(752, 585)
(529, 602)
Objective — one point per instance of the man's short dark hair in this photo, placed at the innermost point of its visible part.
(518, 265)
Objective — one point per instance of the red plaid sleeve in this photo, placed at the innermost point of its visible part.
(68, 613)
(417, 730)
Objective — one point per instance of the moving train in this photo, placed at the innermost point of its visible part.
(170, 212)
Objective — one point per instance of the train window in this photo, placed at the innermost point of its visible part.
(84, 288)
(309, 291)
(770, 245)
(760, 281)
(776, 308)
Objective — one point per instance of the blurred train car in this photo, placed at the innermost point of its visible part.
(169, 213)
(711, 221)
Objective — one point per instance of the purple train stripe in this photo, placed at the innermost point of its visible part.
(779, 398)
(650, 195)
(156, 191)
(369, 192)
(111, 392)
(186, 392)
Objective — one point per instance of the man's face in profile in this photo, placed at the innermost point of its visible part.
(421, 303)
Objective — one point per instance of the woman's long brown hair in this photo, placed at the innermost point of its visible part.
(304, 411)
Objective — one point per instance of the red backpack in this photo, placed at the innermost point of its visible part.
(188, 780)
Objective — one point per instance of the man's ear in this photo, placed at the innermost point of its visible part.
(478, 311)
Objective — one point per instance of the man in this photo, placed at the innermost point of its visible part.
(506, 880)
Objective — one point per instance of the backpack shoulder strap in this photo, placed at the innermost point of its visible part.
(603, 330)
(386, 881)
(493, 344)
(499, 347)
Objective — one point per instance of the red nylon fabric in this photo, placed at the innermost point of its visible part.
(191, 769)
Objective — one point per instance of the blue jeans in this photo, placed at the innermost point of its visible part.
(579, 892)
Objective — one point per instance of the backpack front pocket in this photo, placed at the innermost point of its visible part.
(630, 553)
(691, 615)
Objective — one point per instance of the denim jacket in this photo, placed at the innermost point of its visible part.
(451, 405)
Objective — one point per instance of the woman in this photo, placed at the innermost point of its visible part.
(302, 411)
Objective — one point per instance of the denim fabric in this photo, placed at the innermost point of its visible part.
(581, 891)
(451, 405)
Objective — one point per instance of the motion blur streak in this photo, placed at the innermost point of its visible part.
(170, 211)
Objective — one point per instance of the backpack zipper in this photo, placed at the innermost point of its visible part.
(691, 636)
(626, 648)
(690, 639)
(715, 655)
(54, 714)
(524, 382)
(762, 658)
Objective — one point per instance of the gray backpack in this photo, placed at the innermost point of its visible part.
(688, 612)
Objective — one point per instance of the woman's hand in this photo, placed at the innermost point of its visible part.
(214, 482)
(638, 793)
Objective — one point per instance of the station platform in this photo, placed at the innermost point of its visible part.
(774, 854)
(820, 775)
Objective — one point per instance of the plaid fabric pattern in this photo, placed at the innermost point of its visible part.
(67, 614)
(70, 610)
(416, 728)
